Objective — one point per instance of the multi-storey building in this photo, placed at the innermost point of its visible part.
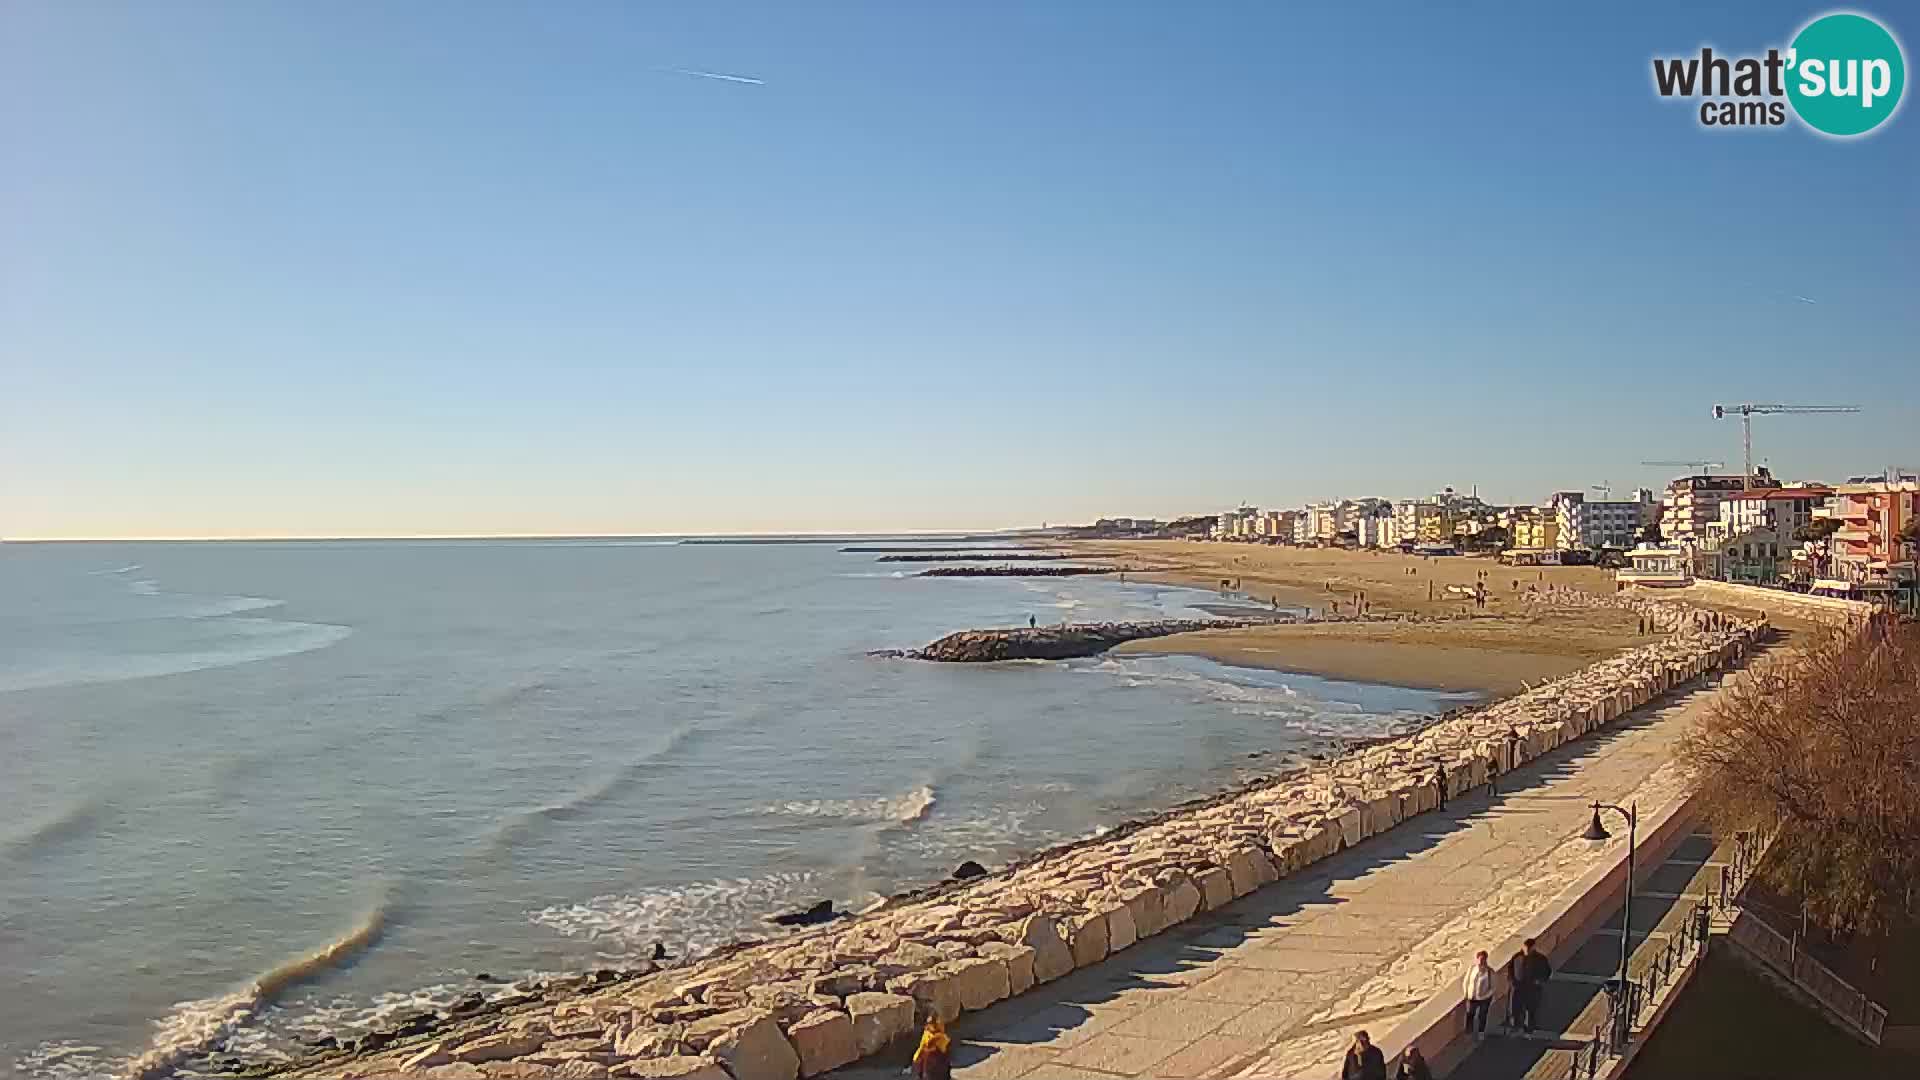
(1786, 510)
(1534, 528)
(1601, 523)
(1869, 548)
(1693, 501)
(1421, 521)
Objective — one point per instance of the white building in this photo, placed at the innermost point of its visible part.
(1785, 510)
(1602, 523)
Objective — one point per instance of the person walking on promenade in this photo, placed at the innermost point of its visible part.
(1440, 781)
(1477, 985)
(1364, 1060)
(1516, 974)
(934, 1059)
(1535, 970)
(1413, 1066)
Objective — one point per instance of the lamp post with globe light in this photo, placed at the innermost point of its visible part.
(1597, 833)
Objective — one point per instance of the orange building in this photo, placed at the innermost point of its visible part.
(1867, 548)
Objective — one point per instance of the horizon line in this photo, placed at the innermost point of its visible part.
(317, 537)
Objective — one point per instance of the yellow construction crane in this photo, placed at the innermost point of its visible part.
(1749, 411)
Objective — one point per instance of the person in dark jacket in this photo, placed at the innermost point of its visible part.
(1516, 974)
(1364, 1060)
(1535, 970)
(1413, 1066)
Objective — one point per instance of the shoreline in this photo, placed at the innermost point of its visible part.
(1045, 914)
(1441, 645)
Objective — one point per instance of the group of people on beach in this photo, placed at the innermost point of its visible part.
(1527, 973)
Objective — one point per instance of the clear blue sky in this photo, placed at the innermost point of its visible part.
(433, 268)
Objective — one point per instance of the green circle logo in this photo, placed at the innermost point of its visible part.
(1845, 74)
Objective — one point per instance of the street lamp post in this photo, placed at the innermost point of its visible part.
(1597, 832)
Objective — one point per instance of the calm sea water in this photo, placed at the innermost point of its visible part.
(457, 758)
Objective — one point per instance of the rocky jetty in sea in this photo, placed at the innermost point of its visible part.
(830, 995)
(986, 556)
(1059, 642)
(1014, 571)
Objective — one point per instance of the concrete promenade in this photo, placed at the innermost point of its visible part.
(1274, 984)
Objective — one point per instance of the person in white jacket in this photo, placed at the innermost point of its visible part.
(1477, 985)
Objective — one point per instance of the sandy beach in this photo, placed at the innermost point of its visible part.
(1491, 656)
(1493, 651)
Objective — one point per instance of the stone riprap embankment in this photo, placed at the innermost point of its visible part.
(1014, 571)
(1056, 642)
(805, 1004)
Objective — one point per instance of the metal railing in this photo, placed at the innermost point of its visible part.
(1626, 1004)
(1783, 953)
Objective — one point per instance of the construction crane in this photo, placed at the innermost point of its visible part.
(1604, 488)
(1707, 466)
(1747, 413)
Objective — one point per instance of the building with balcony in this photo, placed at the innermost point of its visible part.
(1692, 501)
(1534, 528)
(1594, 524)
(1786, 510)
(1868, 548)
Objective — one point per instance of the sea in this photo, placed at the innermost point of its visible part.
(253, 794)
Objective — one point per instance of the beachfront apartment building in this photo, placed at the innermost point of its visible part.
(1277, 524)
(1534, 528)
(1374, 530)
(1421, 521)
(1869, 548)
(1786, 509)
(1690, 502)
(1594, 524)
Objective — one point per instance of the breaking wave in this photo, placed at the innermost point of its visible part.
(517, 825)
(196, 1027)
(903, 809)
(689, 919)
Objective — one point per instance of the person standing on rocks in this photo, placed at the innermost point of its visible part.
(1364, 1060)
(1477, 985)
(934, 1059)
(1033, 622)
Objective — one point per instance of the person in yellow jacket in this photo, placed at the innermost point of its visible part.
(934, 1059)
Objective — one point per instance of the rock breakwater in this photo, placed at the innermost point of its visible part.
(984, 556)
(826, 997)
(1055, 642)
(1014, 571)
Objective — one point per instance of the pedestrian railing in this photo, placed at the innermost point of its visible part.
(1647, 978)
(1784, 954)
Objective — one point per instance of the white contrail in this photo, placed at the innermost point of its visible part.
(1806, 299)
(722, 76)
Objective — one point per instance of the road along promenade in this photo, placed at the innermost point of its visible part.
(1275, 983)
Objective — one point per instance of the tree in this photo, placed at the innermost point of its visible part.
(1825, 744)
(1816, 530)
(1651, 535)
(1910, 532)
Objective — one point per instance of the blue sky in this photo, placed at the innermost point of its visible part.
(447, 268)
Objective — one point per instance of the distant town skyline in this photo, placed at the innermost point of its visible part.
(733, 268)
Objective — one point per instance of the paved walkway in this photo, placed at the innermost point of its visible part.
(1274, 984)
(1574, 1007)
